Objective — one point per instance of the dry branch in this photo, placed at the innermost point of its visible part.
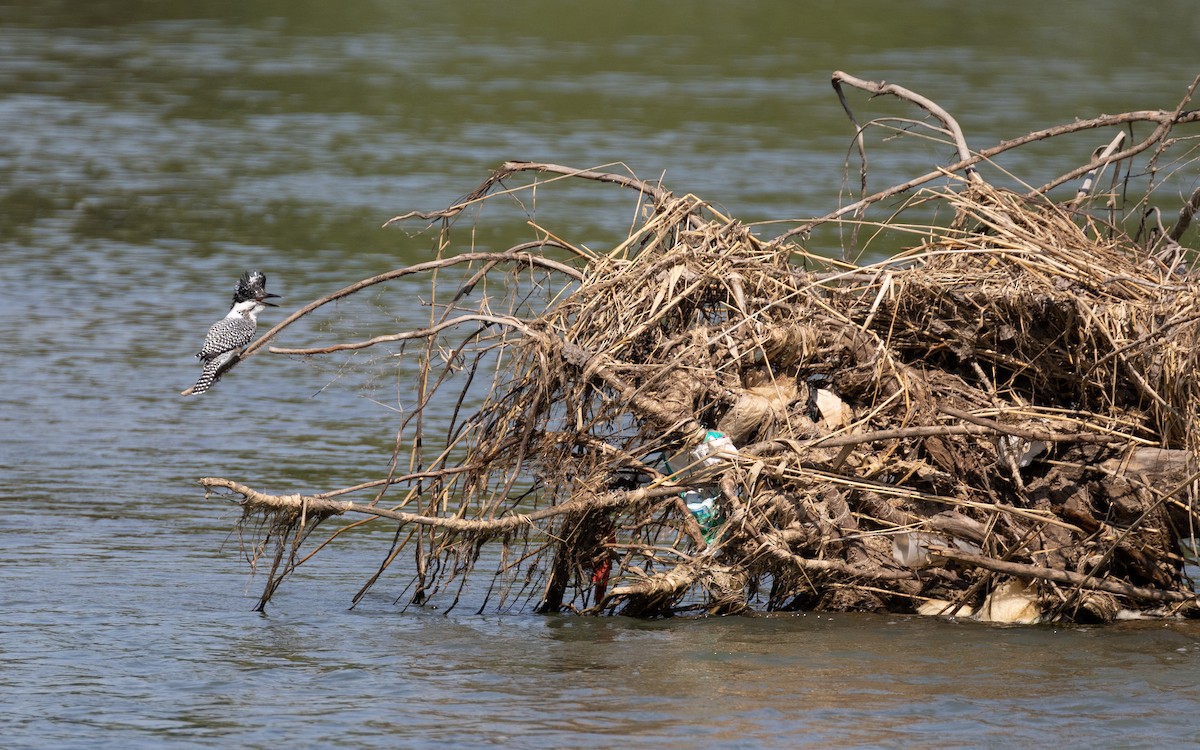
(309, 504)
(1035, 573)
(953, 129)
(1164, 119)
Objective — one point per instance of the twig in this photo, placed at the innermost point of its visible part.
(1105, 121)
(1046, 436)
(510, 168)
(1166, 121)
(504, 320)
(1186, 212)
(1100, 159)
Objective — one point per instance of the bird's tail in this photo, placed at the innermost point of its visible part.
(210, 374)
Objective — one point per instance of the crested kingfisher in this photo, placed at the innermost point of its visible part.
(233, 332)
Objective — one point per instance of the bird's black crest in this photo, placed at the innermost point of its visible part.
(252, 284)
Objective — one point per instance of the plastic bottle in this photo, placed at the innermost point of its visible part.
(715, 448)
(702, 505)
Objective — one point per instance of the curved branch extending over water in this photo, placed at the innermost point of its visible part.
(517, 254)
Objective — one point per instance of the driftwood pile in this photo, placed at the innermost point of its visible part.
(999, 421)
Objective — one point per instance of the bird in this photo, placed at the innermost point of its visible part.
(229, 335)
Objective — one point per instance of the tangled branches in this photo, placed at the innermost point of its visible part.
(698, 419)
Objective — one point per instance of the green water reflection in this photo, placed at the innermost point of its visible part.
(304, 125)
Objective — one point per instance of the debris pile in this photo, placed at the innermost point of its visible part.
(999, 421)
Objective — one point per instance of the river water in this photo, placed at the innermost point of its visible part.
(151, 152)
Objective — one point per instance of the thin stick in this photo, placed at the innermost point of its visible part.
(504, 320)
(1186, 212)
(979, 426)
(510, 168)
(1100, 159)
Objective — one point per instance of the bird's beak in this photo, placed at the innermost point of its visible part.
(263, 300)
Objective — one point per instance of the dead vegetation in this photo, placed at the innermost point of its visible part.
(1000, 420)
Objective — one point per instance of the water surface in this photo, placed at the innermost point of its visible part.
(150, 154)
